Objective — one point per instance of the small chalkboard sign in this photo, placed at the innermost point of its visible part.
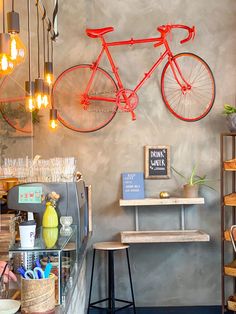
(133, 185)
(157, 162)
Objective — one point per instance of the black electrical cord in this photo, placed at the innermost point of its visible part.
(29, 39)
(3, 16)
(38, 39)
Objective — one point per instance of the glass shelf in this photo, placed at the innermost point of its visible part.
(63, 239)
(62, 251)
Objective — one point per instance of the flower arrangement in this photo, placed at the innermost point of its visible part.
(53, 198)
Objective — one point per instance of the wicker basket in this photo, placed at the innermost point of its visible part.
(230, 269)
(38, 295)
(230, 199)
(232, 303)
(230, 165)
(227, 234)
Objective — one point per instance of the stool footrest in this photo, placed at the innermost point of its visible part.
(129, 303)
(100, 301)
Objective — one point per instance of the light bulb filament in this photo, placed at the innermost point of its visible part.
(14, 52)
(53, 124)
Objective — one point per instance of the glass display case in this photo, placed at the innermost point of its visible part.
(60, 247)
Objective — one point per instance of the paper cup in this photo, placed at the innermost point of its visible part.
(27, 233)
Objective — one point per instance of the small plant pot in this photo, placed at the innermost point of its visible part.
(190, 191)
(231, 122)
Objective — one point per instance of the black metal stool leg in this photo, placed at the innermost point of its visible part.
(130, 279)
(91, 280)
(111, 284)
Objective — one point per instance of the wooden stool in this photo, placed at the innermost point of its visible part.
(111, 247)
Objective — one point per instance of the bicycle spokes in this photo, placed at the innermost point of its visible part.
(192, 98)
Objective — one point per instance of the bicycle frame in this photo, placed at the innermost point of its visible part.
(158, 40)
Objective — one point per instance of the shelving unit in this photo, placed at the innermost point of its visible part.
(228, 213)
(163, 236)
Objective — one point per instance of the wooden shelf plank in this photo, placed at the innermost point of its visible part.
(164, 236)
(162, 201)
(230, 199)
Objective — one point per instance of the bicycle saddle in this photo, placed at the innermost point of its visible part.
(98, 32)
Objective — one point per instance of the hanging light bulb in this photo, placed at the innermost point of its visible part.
(53, 118)
(29, 96)
(39, 82)
(48, 73)
(17, 48)
(6, 65)
(39, 92)
(46, 94)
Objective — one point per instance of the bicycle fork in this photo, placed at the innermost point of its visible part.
(174, 66)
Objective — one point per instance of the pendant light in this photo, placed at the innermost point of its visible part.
(29, 85)
(17, 48)
(48, 65)
(39, 83)
(46, 89)
(53, 118)
(6, 65)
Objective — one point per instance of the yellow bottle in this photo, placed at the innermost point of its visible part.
(50, 236)
(50, 217)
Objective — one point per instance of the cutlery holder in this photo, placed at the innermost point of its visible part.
(38, 295)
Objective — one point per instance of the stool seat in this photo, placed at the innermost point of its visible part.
(106, 246)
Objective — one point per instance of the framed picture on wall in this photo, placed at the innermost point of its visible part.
(157, 162)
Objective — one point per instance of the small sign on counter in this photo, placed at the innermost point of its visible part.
(133, 185)
(30, 194)
(157, 162)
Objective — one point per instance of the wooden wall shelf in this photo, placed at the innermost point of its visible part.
(162, 201)
(164, 236)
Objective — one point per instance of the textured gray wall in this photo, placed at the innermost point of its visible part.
(163, 274)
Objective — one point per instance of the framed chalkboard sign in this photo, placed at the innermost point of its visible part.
(157, 162)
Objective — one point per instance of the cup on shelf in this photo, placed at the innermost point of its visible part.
(27, 233)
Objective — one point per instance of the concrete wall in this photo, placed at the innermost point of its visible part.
(165, 274)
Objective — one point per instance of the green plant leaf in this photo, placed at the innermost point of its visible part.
(180, 174)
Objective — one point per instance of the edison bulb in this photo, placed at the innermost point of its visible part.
(49, 78)
(6, 65)
(53, 124)
(45, 100)
(30, 103)
(39, 101)
(17, 49)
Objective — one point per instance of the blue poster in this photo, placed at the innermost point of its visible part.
(133, 185)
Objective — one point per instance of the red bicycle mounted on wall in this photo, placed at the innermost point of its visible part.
(90, 96)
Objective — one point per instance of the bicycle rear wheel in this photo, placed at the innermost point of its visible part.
(68, 98)
(195, 103)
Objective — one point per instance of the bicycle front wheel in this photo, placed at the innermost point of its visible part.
(196, 102)
(77, 112)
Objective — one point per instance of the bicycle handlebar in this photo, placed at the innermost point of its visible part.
(166, 29)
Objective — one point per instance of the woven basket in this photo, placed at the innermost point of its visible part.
(227, 234)
(230, 199)
(230, 269)
(232, 303)
(38, 295)
(230, 165)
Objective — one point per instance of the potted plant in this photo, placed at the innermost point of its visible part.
(192, 183)
(230, 112)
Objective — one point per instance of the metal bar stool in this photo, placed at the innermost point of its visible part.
(111, 247)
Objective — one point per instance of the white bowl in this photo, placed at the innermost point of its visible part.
(8, 306)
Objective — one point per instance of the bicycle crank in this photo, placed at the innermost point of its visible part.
(127, 101)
